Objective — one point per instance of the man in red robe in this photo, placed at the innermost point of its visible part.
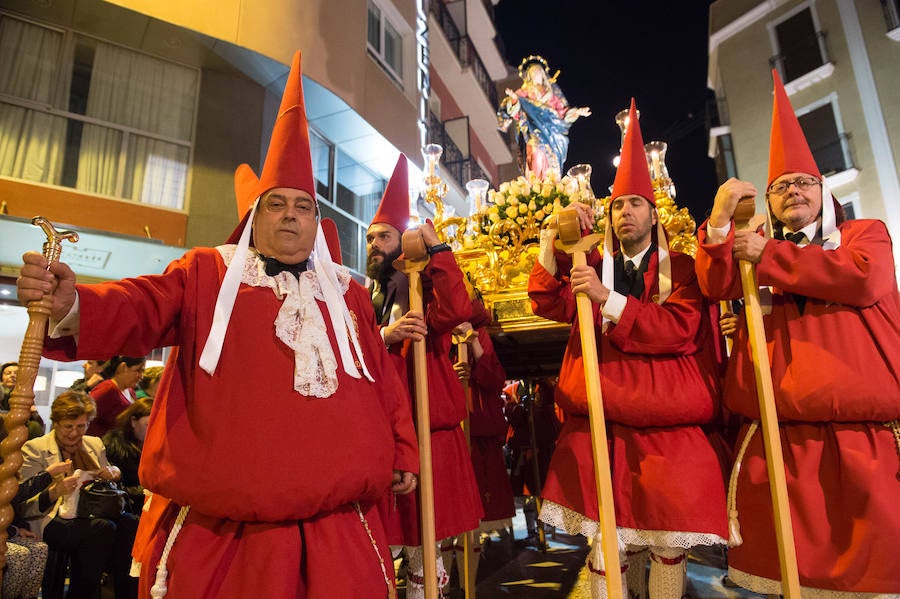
(658, 383)
(267, 329)
(487, 434)
(831, 313)
(457, 504)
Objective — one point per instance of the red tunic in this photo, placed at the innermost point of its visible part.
(835, 370)
(110, 403)
(456, 502)
(658, 384)
(208, 445)
(487, 433)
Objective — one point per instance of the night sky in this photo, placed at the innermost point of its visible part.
(606, 53)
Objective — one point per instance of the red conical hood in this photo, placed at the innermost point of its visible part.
(288, 162)
(788, 149)
(245, 189)
(394, 207)
(245, 185)
(633, 174)
(329, 228)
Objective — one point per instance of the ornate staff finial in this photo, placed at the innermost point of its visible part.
(53, 246)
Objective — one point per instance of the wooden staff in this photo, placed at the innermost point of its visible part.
(531, 392)
(571, 242)
(462, 342)
(22, 398)
(784, 532)
(415, 259)
(725, 308)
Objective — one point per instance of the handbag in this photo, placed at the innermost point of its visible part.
(101, 499)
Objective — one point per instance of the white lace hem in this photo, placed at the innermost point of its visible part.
(574, 523)
(767, 586)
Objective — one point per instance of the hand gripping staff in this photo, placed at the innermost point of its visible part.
(571, 242)
(784, 533)
(414, 260)
(22, 397)
(462, 342)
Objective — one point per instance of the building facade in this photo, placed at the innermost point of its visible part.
(838, 60)
(126, 119)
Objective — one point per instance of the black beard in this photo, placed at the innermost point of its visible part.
(381, 271)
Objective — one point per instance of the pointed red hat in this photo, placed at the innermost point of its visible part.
(245, 184)
(329, 228)
(394, 207)
(788, 149)
(288, 162)
(633, 174)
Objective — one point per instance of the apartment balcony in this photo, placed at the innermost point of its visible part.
(464, 50)
(459, 166)
(456, 61)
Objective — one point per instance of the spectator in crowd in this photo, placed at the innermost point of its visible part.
(92, 544)
(93, 376)
(123, 448)
(116, 392)
(9, 375)
(149, 382)
(26, 555)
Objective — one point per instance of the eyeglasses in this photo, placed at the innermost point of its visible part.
(802, 183)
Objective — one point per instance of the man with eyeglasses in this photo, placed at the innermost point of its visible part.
(832, 321)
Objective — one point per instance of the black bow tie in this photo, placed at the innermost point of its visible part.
(273, 267)
(797, 238)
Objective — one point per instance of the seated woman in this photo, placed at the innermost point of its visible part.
(116, 393)
(123, 448)
(26, 556)
(92, 544)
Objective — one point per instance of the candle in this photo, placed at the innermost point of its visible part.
(654, 156)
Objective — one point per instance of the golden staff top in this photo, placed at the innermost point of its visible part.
(53, 246)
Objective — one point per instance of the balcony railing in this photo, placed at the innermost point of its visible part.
(460, 168)
(465, 50)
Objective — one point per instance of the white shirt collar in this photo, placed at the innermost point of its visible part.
(809, 230)
(637, 258)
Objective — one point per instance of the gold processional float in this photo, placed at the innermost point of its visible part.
(497, 244)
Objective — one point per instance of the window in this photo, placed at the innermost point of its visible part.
(799, 44)
(384, 42)
(107, 121)
(321, 152)
(828, 143)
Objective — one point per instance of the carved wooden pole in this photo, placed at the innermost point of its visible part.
(415, 259)
(784, 532)
(22, 398)
(462, 342)
(571, 242)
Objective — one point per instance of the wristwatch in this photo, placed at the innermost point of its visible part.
(441, 247)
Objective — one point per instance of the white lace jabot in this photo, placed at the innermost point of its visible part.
(299, 323)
